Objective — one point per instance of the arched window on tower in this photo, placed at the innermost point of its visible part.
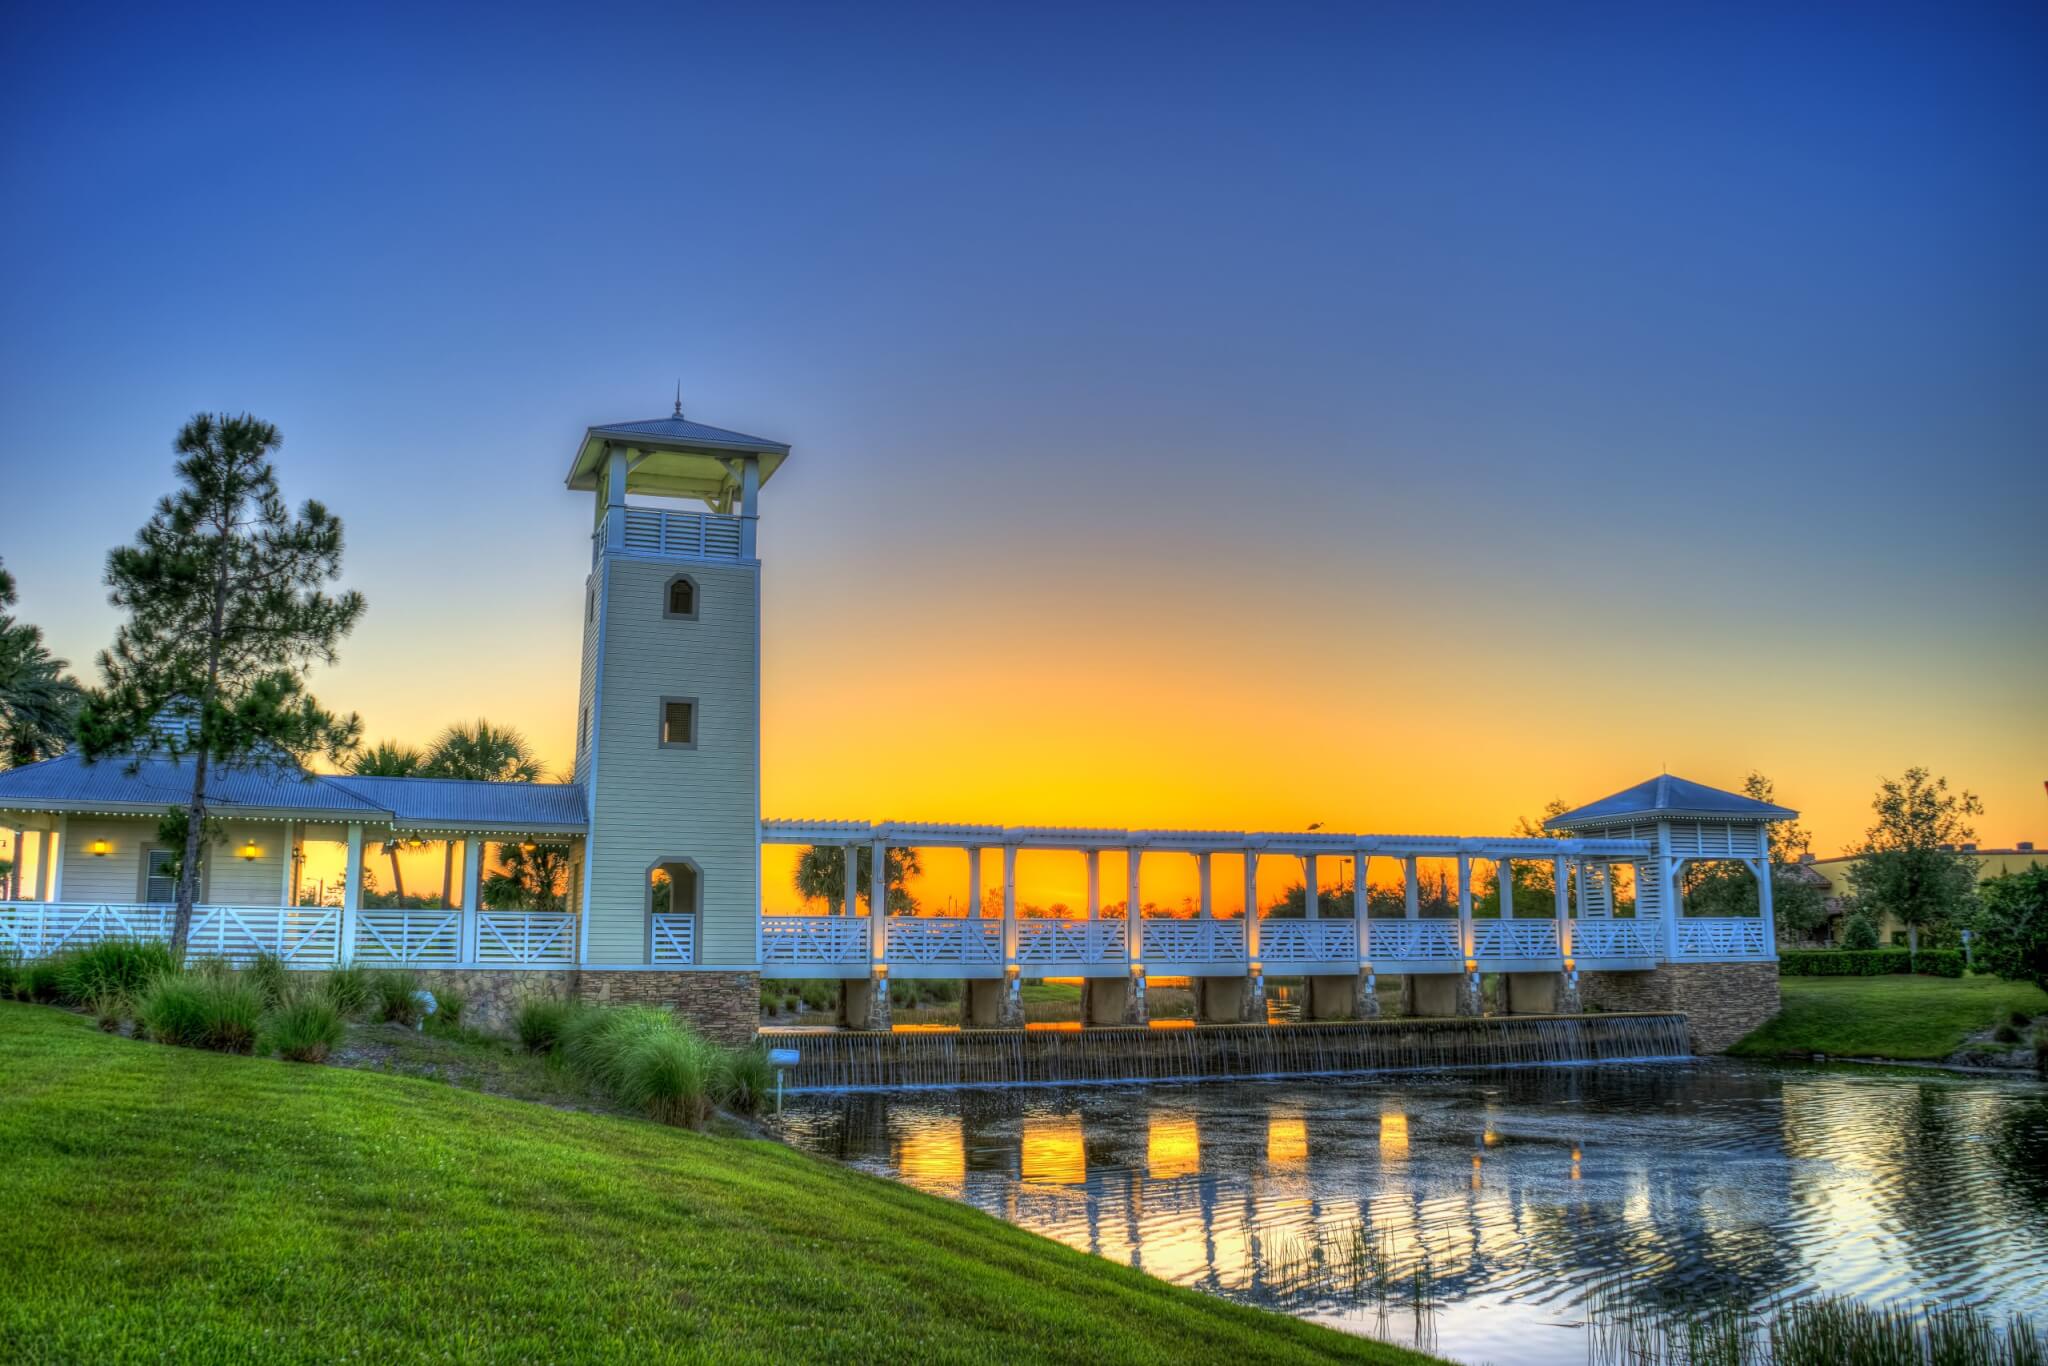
(679, 599)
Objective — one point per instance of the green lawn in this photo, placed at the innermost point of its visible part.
(166, 1203)
(1910, 1018)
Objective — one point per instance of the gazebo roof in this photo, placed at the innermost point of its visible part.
(1668, 797)
(673, 456)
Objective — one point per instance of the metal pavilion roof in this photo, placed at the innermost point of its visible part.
(1668, 797)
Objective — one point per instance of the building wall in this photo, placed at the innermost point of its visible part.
(117, 876)
(651, 803)
(1991, 863)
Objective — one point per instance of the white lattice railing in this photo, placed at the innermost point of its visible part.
(943, 939)
(1617, 939)
(1308, 941)
(673, 938)
(814, 939)
(1192, 941)
(524, 938)
(1415, 941)
(304, 936)
(1070, 941)
(1515, 939)
(422, 938)
(681, 535)
(1722, 937)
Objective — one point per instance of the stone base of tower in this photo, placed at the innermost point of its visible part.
(722, 1006)
(1720, 1001)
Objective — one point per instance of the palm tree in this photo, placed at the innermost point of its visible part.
(533, 879)
(38, 700)
(821, 876)
(389, 759)
(480, 753)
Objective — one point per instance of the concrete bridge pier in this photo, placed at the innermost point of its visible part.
(1254, 1008)
(1219, 1000)
(864, 1003)
(1530, 993)
(1432, 995)
(1105, 1000)
(993, 1003)
(1334, 996)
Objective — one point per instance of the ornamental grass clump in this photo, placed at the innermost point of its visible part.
(200, 1010)
(746, 1080)
(644, 1057)
(115, 967)
(541, 1021)
(596, 1041)
(268, 974)
(304, 1028)
(449, 1007)
(395, 996)
(668, 1075)
(348, 989)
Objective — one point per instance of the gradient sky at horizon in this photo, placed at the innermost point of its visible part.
(1386, 416)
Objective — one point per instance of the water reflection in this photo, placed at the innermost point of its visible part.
(1518, 1196)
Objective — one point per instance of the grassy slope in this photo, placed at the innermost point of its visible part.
(1887, 1017)
(164, 1201)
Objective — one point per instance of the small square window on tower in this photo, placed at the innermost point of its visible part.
(681, 598)
(679, 722)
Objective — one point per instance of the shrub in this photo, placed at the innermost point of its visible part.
(394, 996)
(10, 968)
(116, 967)
(348, 989)
(1844, 962)
(200, 1010)
(1940, 962)
(2005, 1033)
(541, 1021)
(271, 978)
(1860, 933)
(2019, 1018)
(664, 1072)
(304, 1029)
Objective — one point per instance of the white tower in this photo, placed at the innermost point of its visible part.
(668, 737)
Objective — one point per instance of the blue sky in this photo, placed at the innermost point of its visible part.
(1499, 400)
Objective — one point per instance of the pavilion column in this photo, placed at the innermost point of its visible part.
(286, 880)
(750, 499)
(14, 873)
(1135, 1009)
(1251, 903)
(473, 898)
(1465, 936)
(1208, 894)
(1763, 901)
(1504, 876)
(351, 892)
(43, 866)
(1561, 898)
(1411, 889)
(852, 871)
(1667, 891)
(878, 904)
(1094, 904)
(1311, 902)
(974, 883)
(1009, 906)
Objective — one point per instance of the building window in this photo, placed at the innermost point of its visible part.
(159, 887)
(583, 729)
(679, 722)
(679, 599)
(590, 603)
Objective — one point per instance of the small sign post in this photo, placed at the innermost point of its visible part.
(780, 1058)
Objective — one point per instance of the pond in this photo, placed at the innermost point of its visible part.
(1485, 1216)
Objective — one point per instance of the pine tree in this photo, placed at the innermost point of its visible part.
(227, 609)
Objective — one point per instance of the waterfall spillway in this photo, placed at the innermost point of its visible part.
(1024, 1057)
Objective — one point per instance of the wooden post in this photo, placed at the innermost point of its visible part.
(285, 890)
(64, 852)
(1411, 890)
(1504, 878)
(615, 499)
(1465, 905)
(974, 882)
(750, 497)
(1134, 908)
(1763, 899)
(1009, 905)
(1208, 895)
(1561, 897)
(1094, 884)
(1311, 903)
(852, 903)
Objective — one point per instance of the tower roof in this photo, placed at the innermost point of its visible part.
(673, 456)
(1668, 797)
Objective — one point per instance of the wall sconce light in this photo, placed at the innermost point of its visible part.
(99, 848)
(1567, 965)
(1257, 969)
(249, 851)
(1137, 969)
(1012, 971)
(1471, 965)
(881, 971)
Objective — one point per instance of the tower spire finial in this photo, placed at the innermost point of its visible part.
(679, 398)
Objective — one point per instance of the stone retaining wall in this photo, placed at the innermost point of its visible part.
(1721, 1001)
(725, 1006)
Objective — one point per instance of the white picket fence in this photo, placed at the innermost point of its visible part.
(1308, 941)
(1413, 941)
(1079, 942)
